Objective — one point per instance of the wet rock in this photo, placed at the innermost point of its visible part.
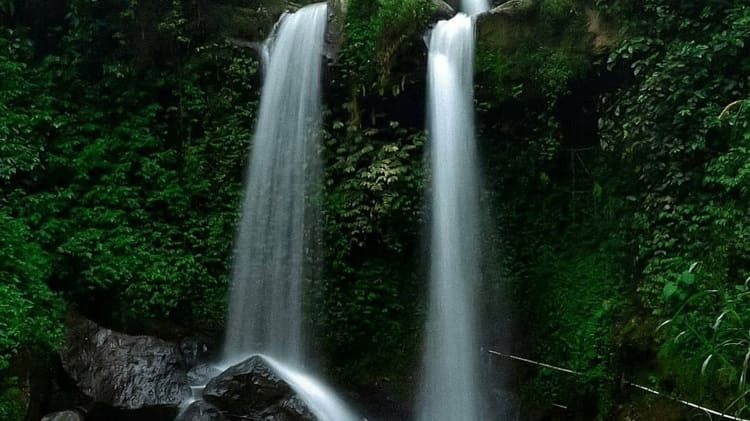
(248, 21)
(294, 405)
(517, 25)
(200, 411)
(63, 416)
(121, 371)
(513, 8)
(202, 374)
(253, 390)
(454, 4)
(443, 10)
(334, 38)
(194, 351)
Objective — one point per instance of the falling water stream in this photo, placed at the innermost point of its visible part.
(321, 400)
(265, 309)
(450, 383)
(474, 7)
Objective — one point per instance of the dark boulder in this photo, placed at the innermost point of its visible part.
(443, 10)
(297, 408)
(200, 411)
(63, 416)
(251, 389)
(124, 372)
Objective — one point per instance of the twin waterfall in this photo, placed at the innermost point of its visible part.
(450, 381)
(265, 313)
(265, 309)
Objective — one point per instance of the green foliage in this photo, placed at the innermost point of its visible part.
(534, 55)
(568, 288)
(29, 312)
(375, 186)
(709, 331)
(374, 32)
(667, 126)
(686, 165)
(369, 315)
(119, 181)
(129, 176)
(533, 70)
(372, 214)
(12, 407)
(576, 312)
(556, 197)
(557, 11)
(24, 107)
(672, 165)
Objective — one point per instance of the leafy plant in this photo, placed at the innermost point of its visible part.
(372, 215)
(373, 33)
(30, 314)
(712, 329)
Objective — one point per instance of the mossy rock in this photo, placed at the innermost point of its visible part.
(249, 21)
(556, 23)
(539, 44)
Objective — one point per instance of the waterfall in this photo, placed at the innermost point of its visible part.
(320, 398)
(265, 308)
(450, 386)
(474, 7)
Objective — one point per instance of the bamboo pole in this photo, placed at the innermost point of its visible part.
(627, 382)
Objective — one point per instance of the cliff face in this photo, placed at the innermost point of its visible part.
(248, 22)
(515, 22)
(512, 26)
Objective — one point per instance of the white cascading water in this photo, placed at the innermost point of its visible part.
(265, 309)
(450, 382)
(474, 7)
(321, 400)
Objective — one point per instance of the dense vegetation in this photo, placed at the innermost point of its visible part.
(640, 170)
(124, 136)
(616, 183)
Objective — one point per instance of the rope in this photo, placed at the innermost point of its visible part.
(627, 382)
